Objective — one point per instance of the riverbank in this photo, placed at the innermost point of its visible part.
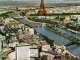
(73, 31)
(64, 35)
(77, 32)
(70, 54)
(46, 21)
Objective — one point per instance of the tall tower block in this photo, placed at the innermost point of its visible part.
(42, 10)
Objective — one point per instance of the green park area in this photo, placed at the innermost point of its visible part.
(58, 14)
(6, 15)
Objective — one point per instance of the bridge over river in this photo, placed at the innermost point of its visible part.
(31, 23)
(37, 24)
(75, 49)
(72, 43)
(75, 38)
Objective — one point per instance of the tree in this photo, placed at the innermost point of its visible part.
(23, 14)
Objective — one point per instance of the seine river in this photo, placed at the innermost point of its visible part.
(75, 49)
(68, 32)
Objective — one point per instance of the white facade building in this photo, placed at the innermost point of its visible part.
(1, 39)
(2, 28)
(76, 17)
(78, 21)
(41, 17)
(7, 20)
(20, 31)
(46, 47)
(12, 56)
(31, 30)
(67, 19)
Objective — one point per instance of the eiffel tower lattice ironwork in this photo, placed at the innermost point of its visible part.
(42, 10)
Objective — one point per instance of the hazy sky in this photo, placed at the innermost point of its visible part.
(47, 0)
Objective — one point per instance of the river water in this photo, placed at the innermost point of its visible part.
(68, 32)
(75, 49)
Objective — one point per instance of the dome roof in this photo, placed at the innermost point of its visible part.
(12, 56)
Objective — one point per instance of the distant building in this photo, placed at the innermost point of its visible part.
(47, 56)
(41, 17)
(76, 17)
(1, 39)
(46, 47)
(7, 20)
(23, 50)
(11, 56)
(2, 28)
(50, 17)
(26, 34)
(19, 31)
(61, 49)
(73, 16)
(78, 21)
(67, 19)
(21, 25)
(31, 30)
(20, 36)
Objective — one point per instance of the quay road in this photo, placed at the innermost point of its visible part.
(75, 49)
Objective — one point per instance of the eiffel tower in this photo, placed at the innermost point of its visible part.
(42, 10)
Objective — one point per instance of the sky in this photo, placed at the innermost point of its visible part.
(47, 0)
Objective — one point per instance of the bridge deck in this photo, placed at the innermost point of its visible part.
(71, 43)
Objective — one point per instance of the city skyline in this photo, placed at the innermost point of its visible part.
(55, 1)
(39, 30)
